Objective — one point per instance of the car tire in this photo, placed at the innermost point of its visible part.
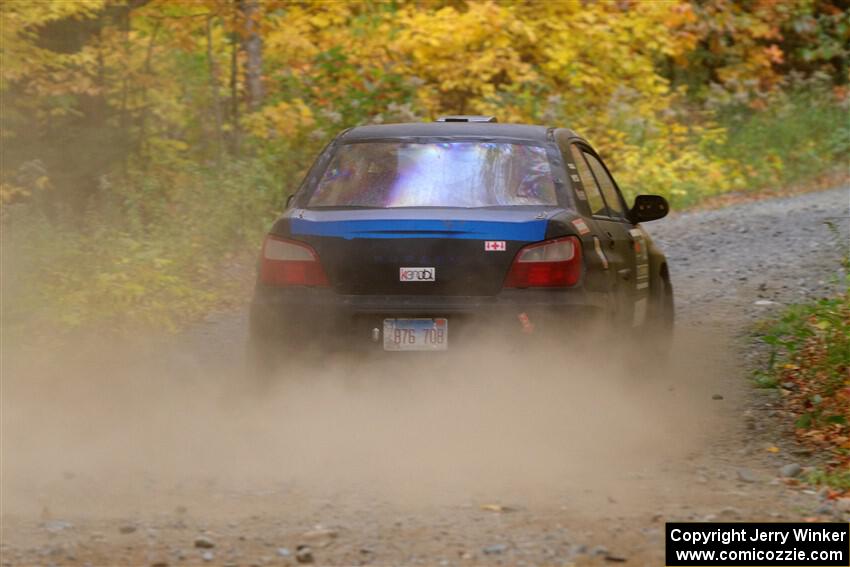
(658, 338)
(262, 360)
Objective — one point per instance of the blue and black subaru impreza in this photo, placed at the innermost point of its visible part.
(406, 236)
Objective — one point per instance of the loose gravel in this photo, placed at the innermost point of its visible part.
(733, 265)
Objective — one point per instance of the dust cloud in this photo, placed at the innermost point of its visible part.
(117, 428)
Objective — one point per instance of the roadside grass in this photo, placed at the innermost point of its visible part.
(800, 135)
(809, 363)
(134, 263)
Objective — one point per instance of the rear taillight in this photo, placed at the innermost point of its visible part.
(554, 263)
(287, 262)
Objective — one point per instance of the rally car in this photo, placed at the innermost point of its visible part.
(404, 237)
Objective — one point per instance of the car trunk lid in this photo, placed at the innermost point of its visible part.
(419, 251)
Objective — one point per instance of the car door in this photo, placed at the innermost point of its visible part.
(634, 276)
(608, 211)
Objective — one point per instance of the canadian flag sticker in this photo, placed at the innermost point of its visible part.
(581, 226)
(494, 246)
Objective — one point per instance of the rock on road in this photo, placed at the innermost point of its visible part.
(153, 453)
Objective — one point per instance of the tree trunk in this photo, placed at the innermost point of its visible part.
(142, 140)
(216, 99)
(253, 46)
(235, 132)
(124, 121)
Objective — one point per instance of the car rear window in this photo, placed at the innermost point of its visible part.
(438, 174)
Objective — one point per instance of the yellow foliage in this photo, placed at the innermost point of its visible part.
(489, 38)
(20, 21)
(285, 119)
(10, 193)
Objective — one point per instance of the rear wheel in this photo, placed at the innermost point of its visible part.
(262, 359)
(658, 338)
(268, 350)
(275, 353)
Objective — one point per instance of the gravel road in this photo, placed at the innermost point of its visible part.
(154, 451)
(780, 250)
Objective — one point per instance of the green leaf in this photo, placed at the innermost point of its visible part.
(804, 421)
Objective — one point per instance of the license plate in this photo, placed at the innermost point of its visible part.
(416, 334)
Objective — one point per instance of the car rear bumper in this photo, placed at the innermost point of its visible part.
(306, 313)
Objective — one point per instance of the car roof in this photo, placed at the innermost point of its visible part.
(447, 129)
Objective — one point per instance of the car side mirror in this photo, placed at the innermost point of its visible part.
(649, 208)
(289, 200)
